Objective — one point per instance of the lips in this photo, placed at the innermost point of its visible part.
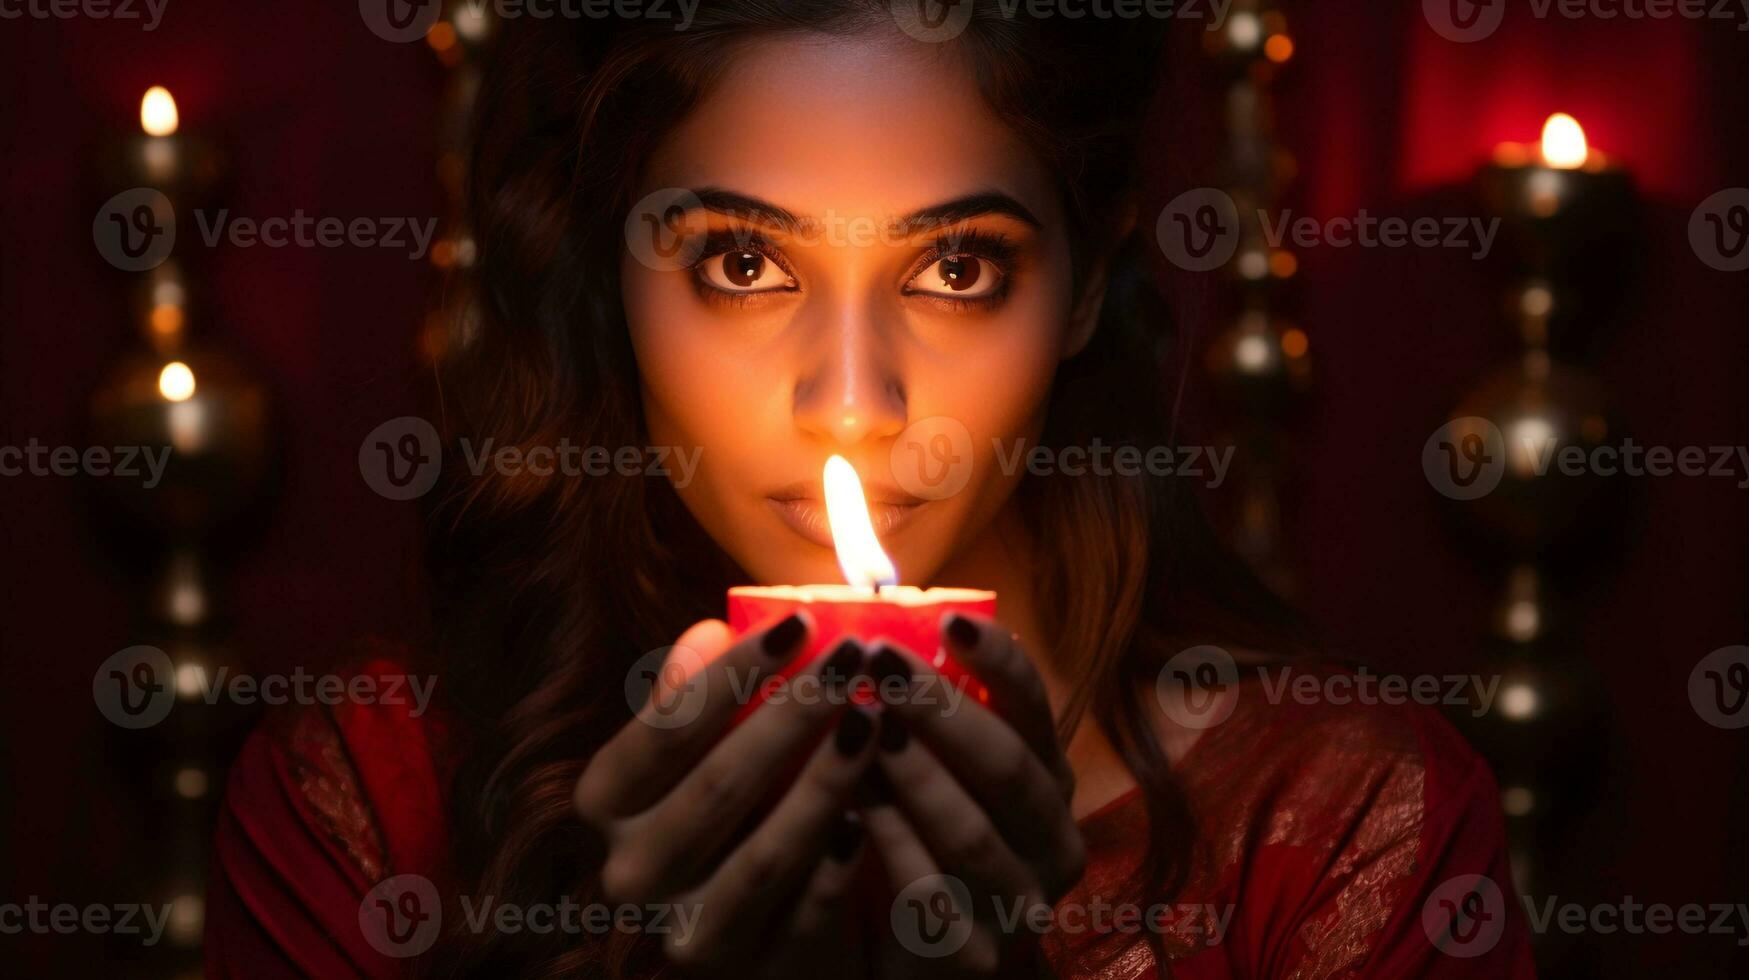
(805, 513)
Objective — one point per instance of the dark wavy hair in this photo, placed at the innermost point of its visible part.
(547, 589)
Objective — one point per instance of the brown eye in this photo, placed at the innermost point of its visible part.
(958, 276)
(742, 268)
(960, 273)
(741, 271)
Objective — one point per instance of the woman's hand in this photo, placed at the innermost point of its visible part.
(671, 795)
(981, 798)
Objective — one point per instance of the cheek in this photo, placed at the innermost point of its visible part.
(684, 398)
(996, 380)
(689, 395)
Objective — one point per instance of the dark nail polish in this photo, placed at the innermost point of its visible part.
(962, 631)
(891, 672)
(841, 666)
(854, 729)
(874, 789)
(782, 638)
(844, 836)
(894, 734)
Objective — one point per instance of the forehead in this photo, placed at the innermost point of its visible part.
(868, 125)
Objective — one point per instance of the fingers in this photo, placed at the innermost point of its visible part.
(685, 831)
(1017, 693)
(989, 758)
(926, 903)
(773, 863)
(817, 927)
(693, 697)
(953, 826)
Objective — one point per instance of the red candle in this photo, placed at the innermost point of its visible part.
(873, 606)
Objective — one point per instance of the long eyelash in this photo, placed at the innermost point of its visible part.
(993, 247)
(719, 241)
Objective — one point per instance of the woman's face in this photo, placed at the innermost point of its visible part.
(884, 275)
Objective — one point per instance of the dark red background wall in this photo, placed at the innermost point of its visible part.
(1382, 113)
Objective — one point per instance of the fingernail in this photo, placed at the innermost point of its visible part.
(962, 631)
(843, 837)
(889, 670)
(782, 638)
(854, 728)
(841, 666)
(894, 735)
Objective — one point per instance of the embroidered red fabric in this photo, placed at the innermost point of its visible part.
(1325, 833)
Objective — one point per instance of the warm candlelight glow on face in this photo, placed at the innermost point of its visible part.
(176, 383)
(1563, 144)
(865, 565)
(158, 115)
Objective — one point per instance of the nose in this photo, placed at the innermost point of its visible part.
(849, 389)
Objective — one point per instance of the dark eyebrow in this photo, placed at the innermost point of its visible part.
(951, 212)
(753, 209)
(966, 208)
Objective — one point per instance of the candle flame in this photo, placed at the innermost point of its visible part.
(1564, 146)
(859, 552)
(158, 115)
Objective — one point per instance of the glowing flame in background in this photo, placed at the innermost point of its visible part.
(158, 116)
(1563, 145)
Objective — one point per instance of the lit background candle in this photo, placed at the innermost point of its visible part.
(164, 155)
(871, 606)
(1566, 206)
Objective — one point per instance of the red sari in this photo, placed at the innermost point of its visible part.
(1335, 841)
